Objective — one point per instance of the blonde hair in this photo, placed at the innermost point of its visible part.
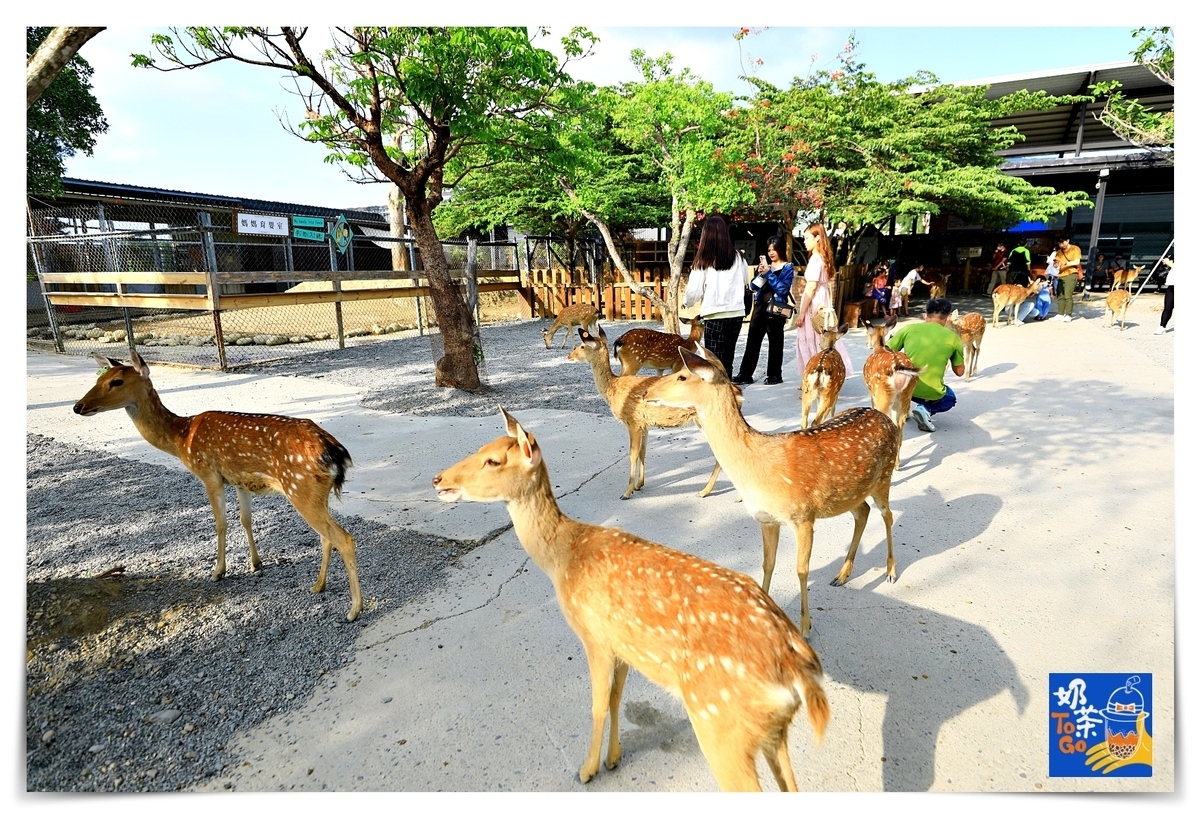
(824, 249)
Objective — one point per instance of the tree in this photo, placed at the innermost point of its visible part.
(1129, 119)
(63, 118)
(848, 147)
(51, 56)
(400, 105)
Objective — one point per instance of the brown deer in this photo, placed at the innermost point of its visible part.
(1011, 296)
(823, 377)
(791, 477)
(705, 633)
(1125, 278)
(640, 348)
(576, 315)
(624, 395)
(823, 319)
(254, 453)
(970, 329)
(1117, 304)
(938, 285)
(890, 377)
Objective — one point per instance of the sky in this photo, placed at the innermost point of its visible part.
(218, 129)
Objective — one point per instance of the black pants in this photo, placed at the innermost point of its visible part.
(772, 327)
(720, 338)
(1168, 305)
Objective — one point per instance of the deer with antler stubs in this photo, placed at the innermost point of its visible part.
(791, 478)
(255, 453)
(639, 348)
(970, 329)
(706, 634)
(624, 395)
(576, 315)
(891, 377)
(1011, 296)
(824, 375)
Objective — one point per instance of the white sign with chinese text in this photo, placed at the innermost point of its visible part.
(260, 224)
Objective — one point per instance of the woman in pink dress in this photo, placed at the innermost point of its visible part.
(814, 295)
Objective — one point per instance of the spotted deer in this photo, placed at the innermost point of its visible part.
(254, 453)
(624, 395)
(1125, 278)
(791, 478)
(640, 348)
(704, 633)
(890, 377)
(970, 329)
(1116, 305)
(576, 315)
(1011, 296)
(823, 377)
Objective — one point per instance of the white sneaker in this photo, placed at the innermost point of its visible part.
(921, 415)
(1066, 318)
(1160, 331)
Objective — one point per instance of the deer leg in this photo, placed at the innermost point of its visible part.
(601, 667)
(770, 538)
(316, 514)
(860, 513)
(635, 444)
(729, 751)
(216, 497)
(806, 400)
(781, 763)
(614, 706)
(642, 459)
(712, 481)
(803, 530)
(244, 514)
(885, 510)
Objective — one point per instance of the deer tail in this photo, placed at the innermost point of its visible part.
(807, 685)
(336, 459)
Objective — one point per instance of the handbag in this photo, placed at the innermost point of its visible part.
(784, 311)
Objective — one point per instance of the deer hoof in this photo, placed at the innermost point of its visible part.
(838, 582)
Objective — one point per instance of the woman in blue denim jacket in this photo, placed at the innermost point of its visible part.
(772, 283)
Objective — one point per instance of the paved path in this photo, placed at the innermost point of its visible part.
(1034, 534)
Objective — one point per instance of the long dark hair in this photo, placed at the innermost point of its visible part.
(715, 248)
(780, 247)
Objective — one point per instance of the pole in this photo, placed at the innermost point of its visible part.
(1150, 275)
(1096, 217)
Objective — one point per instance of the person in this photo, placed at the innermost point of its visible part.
(1067, 260)
(811, 292)
(999, 267)
(1168, 298)
(1018, 264)
(1019, 274)
(879, 289)
(1100, 273)
(718, 281)
(908, 282)
(931, 345)
(773, 284)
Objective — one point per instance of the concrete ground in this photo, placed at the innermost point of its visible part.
(1034, 534)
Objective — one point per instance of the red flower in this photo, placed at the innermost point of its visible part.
(789, 156)
(836, 75)
(766, 103)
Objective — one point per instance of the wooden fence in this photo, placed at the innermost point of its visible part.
(547, 291)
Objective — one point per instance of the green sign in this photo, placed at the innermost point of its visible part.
(342, 234)
(311, 235)
(308, 221)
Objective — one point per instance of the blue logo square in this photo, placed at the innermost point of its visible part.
(1101, 725)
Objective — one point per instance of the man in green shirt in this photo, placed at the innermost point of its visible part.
(931, 345)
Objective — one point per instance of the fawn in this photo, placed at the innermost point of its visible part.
(1125, 278)
(639, 348)
(1011, 296)
(576, 315)
(791, 477)
(704, 633)
(970, 328)
(624, 395)
(1117, 304)
(890, 377)
(823, 377)
(254, 453)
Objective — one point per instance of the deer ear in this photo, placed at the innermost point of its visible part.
(529, 447)
(584, 335)
(510, 422)
(140, 365)
(700, 366)
(600, 333)
(105, 361)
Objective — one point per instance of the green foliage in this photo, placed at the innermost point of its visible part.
(847, 147)
(1129, 119)
(65, 120)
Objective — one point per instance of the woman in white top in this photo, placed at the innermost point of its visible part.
(814, 296)
(718, 281)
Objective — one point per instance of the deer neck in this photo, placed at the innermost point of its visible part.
(157, 424)
(602, 372)
(545, 532)
(729, 436)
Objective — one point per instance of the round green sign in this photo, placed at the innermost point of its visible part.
(342, 234)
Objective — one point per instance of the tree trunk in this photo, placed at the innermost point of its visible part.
(60, 45)
(396, 223)
(681, 235)
(456, 368)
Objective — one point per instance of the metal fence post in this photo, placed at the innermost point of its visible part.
(337, 287)
(214, 289)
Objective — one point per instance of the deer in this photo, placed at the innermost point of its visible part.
(1117, 304)
(970, 329)
(823, 319)
(705, 633)
(1125, 278)
(640, 348)
(823, 377)
(791, 478)
(576, 315)
(890, 377)
(1010, 296)
(624, 395)
(937, 289)
(255, 453)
